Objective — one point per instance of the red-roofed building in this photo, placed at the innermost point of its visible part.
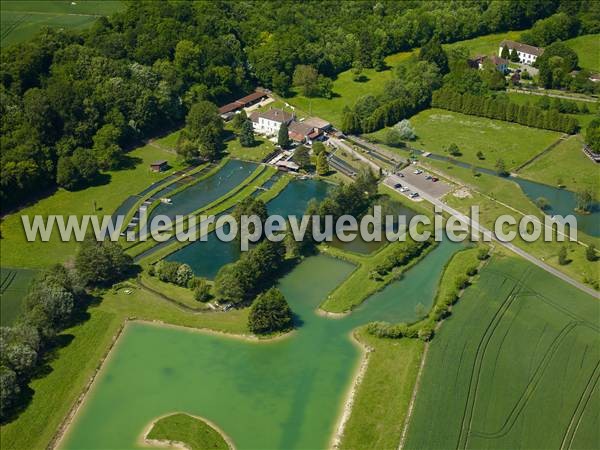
(227, 111)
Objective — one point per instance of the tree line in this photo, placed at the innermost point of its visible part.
(57, 299)
(492, 108)
(72, 102)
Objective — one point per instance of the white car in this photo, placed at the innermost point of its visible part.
(418, 172)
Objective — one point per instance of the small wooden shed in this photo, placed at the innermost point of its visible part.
(158, 166)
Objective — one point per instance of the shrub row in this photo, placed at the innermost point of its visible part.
(401, 257)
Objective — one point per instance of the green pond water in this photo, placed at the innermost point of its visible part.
(207, 257)
(270, 395)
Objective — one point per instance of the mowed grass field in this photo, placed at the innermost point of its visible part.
(107, 196)
(515, 366)
(14, 284)
(565, 162)
(587, 48)
(437, 129)
(22, 19)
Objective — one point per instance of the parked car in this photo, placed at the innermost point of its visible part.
(400, 174)
(428, 177)
(414, 195)
(397, 186)
(418, 172)
(404, 189)
(434, 179)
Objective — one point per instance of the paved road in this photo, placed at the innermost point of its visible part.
(393, 179)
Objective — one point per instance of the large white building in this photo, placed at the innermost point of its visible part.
(527, 53)
(269, 122)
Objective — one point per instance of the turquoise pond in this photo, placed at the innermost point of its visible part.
(287, 393)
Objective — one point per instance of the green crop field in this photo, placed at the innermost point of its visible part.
(24, 18)
(516, 366)
(436, 129)
(14, 284)
(587, 48)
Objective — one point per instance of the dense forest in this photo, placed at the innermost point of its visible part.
(72, 101)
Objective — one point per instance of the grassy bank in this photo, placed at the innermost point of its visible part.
(260, 176)
(360, 284)
(382, 398)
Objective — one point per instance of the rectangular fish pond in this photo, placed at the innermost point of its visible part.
(207, 257)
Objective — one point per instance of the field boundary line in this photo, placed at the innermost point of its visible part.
(413, 398)
(57, 14)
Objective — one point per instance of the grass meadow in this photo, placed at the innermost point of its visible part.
(587, 48)
(515, 366)
(106, 196)
(552, 166)
(23, 19)
(437, 129)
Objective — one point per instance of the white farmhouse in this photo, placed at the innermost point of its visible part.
(268, 122)
(527, 53)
